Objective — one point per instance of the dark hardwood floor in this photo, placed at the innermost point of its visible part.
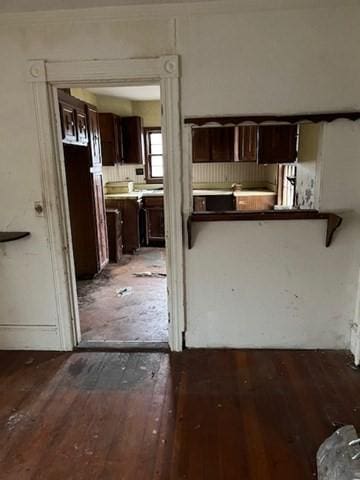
(214, 415)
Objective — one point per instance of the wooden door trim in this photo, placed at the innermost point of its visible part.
(45, 77)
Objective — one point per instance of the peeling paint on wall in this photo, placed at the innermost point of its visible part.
(309, 138)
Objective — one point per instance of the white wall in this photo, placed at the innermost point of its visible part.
(28, 316)
(269, 284)
(275, 284)
(308, 166)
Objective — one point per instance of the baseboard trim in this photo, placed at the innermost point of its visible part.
(29, 337)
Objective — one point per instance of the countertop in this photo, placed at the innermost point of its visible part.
(211, 192)
(251, 193)
(137, 195)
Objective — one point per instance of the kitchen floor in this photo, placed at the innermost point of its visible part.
(127, 301)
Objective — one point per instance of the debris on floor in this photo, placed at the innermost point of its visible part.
(338, 457)
(124, 291)
(123, 307)
(150, 274)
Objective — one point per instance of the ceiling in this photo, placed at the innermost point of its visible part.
(38, 5)
(140, 93)
(17, 6)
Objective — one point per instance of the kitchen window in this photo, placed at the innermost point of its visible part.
(154, 155)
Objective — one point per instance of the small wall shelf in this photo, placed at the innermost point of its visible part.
(333, 220)
(11, 236)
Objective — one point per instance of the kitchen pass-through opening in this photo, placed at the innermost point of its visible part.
(113, 161)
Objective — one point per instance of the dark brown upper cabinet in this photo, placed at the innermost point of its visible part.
(277, 144)
(201, 145)
(132, 140)
(82, 126)
(213, 144)
(74, 125)
(94, 134)
(111, 138)
(247, 143)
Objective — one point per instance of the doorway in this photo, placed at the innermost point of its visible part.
(45, 79)
(113, 157)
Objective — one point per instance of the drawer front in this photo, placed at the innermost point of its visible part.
(153, 201)
(253, 202)
(199, 204)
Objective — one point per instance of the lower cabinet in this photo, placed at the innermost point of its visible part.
(213, 203)
(101, 229)
(154, 220)
(114, 229)
(255, 202)
(129, 208)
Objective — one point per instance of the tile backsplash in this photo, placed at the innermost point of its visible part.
(123, 172)
(235, 172)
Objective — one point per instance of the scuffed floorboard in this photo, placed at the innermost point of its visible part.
(211, 415)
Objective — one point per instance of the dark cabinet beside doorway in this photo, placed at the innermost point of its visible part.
(74, 122)
(84, 185)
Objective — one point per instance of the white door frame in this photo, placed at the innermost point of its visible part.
(45, 77)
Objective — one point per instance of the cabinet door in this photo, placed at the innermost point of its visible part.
(200, 145)
(213, 144)
(155, 224)
(114, 226)
(222, 141)
(68, 123)
(109, 139)
(247, 143)
(132, 140)
(94, 134)
(219, 203)
(81, 208)
(82, 127)
(130, 227)
(277, 144)
(102, 240)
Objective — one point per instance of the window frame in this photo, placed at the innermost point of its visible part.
(148, 177)
(285, 188)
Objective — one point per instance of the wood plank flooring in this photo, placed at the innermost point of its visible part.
(205, 414)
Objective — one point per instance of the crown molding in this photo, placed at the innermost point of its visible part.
(164, 11)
